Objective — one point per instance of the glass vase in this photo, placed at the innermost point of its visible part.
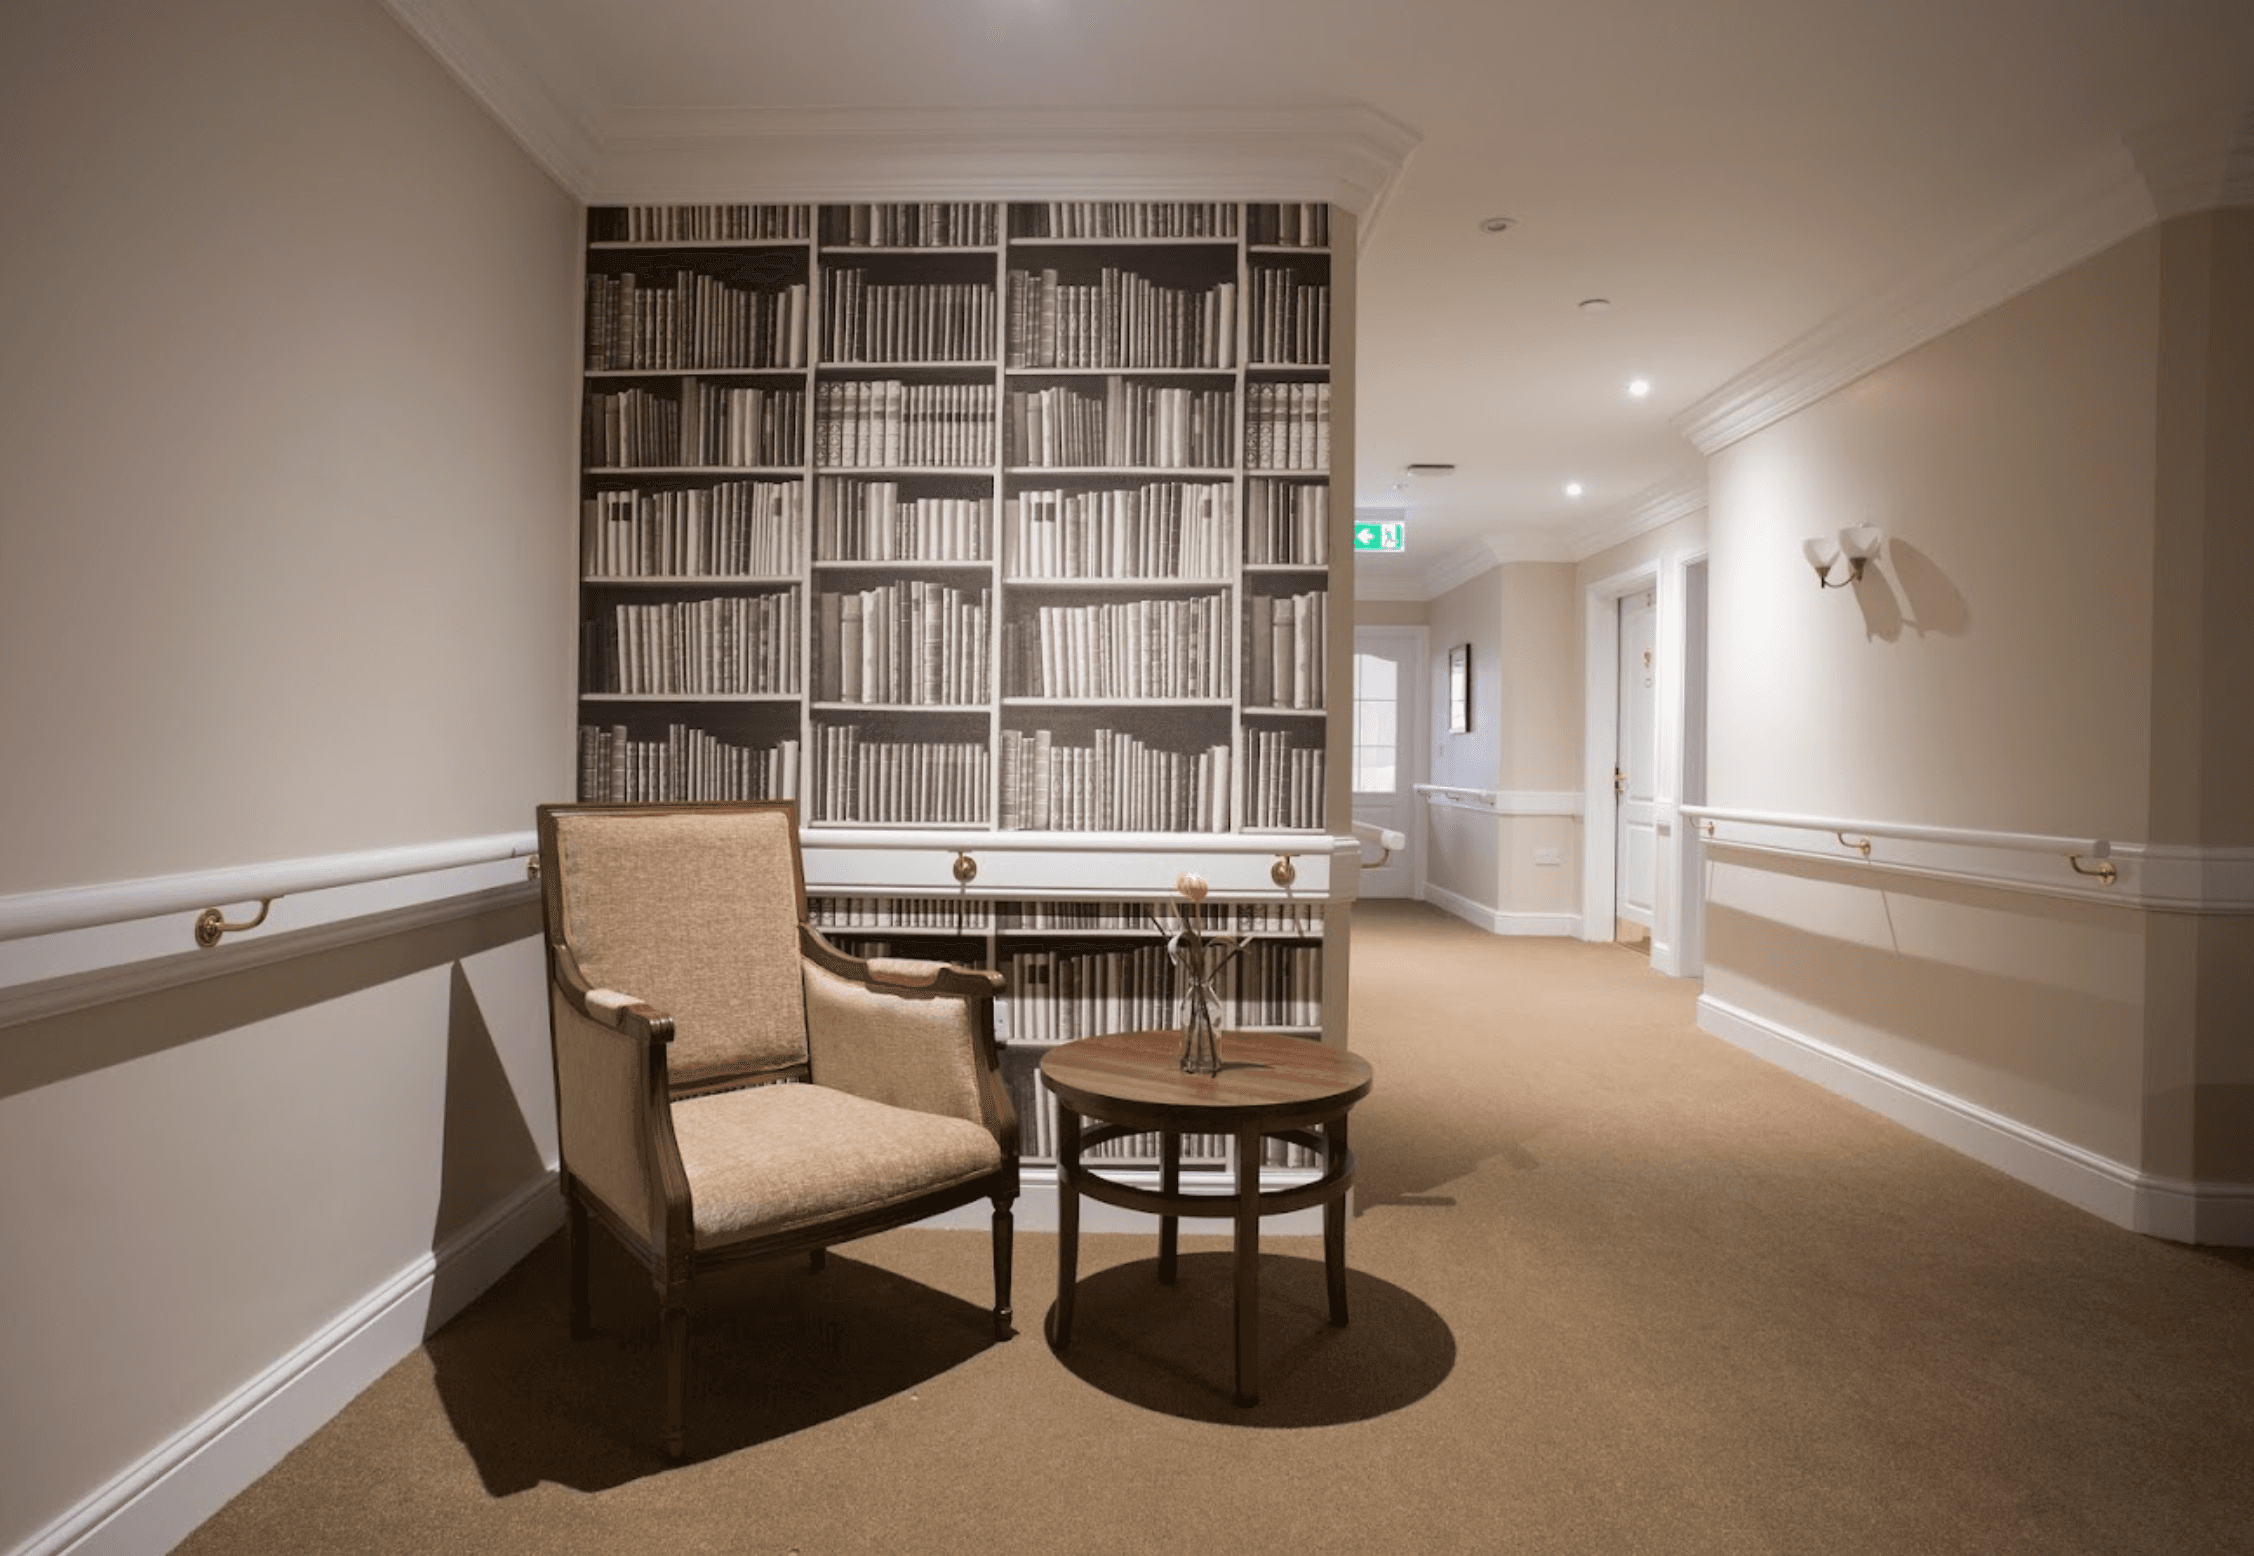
(1200, 1055)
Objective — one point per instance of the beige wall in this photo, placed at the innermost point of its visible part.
(1541, 690)
(1471, 612)
(2044, 646)
(1994, 669)
(2199, 1028)
(1391, 613)
(285, 452)
(1518, 619)
(286, 440)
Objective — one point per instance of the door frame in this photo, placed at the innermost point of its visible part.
(1600, 743)
(1678, 894)
(1416, 759)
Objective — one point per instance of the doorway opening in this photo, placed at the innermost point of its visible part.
(1389, 750)
(1635, 772)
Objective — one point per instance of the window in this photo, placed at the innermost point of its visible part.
(1377, 741)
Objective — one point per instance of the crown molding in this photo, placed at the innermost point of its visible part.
(1456, 568)
(2108, 203)
(1678, 497)
(559, 132)
(1349, 155)
(2202, 163)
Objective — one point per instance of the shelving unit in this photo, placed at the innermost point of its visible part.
(978, 524)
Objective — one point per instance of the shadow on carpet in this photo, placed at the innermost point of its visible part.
(773, 1349)
(1172, 1349)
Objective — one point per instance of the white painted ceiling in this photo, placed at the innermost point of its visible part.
(1731, 174)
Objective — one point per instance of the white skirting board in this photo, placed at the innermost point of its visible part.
(158, 1502)
(1495, 922)
(2172, 1208)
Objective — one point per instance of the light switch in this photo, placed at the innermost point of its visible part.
(1547, 856)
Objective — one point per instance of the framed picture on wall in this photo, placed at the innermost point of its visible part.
(1459, 689)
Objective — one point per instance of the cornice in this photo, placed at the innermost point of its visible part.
(558, 132)
(2202, 163)
(1347, 154)
(1677, 497)
(1456, 568)
(2102, 207)
(2199, 162)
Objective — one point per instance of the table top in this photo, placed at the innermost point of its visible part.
(1266, 1077)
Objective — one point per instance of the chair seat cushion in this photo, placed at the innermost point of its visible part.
(777, 1158)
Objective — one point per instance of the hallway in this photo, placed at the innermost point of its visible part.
(1618, 1287)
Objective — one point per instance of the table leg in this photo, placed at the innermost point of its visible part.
(1068, 1220)
(1169, 1184)
(1248, 1266)
(1334, 1222)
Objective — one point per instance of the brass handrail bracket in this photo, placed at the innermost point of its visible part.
(210, 926)
(2104, 871)
(1861, 845)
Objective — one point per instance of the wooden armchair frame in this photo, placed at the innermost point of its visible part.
(672, 1255)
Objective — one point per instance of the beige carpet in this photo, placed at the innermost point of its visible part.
(1617, 1288)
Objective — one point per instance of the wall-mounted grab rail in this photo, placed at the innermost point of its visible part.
(1856, 836)
(1383, 838)
(122, 902)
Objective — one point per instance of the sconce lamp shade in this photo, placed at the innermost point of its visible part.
(1860, 542)
(1821, 552)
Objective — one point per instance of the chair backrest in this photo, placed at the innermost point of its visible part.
(693, 909)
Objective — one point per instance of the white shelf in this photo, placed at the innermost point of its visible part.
(676, 580)
(1118, 702)
(705, 243)
(692, 372)
(1129, 584)
(779, 697)
(616, 470)
(1178, 472)
(900, 707)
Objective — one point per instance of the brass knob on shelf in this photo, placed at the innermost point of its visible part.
(966, 869)
(1283, 872)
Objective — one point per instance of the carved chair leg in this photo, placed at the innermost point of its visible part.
(1004, 1225)
(575, 1259)
(673, 1320)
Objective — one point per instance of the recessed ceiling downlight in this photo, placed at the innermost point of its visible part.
(1573, 488)
(1495, 224)
(1596, 305)
(1639, 387)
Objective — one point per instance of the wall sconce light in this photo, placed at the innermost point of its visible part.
(1856, 545)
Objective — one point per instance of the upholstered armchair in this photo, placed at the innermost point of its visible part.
(729, 1084)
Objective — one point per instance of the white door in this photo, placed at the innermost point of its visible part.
(1635, 780)
(1389, 748)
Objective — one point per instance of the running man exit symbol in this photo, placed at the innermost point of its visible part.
(1369, 535)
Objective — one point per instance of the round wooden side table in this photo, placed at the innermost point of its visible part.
(1270, 1086)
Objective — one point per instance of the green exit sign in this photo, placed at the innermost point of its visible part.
(1373, 536)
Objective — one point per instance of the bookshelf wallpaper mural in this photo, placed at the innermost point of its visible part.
(999, 515)
(1012, 517)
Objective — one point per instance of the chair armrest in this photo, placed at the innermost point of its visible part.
(912, 1034)
(608, 1007)
(614, 1118)
(902, 973)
